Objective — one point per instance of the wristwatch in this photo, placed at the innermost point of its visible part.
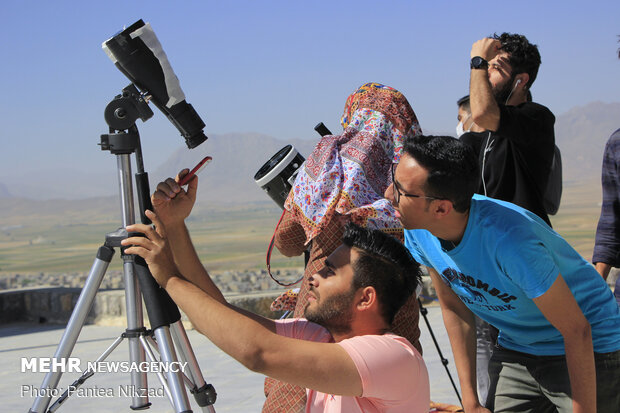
(478, 63)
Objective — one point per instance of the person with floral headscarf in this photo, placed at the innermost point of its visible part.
(344, 180)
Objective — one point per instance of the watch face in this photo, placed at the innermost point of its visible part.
(478, 63)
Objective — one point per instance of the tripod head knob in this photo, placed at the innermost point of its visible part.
(123, 111)
(120, 113)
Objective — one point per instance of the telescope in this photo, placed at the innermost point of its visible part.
(137, 53)
(277, 176)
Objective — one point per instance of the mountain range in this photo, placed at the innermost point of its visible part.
(581, 134)
(229, 178)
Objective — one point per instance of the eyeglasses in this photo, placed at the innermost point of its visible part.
(398, 194)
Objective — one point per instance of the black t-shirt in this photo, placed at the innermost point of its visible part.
(515, 161)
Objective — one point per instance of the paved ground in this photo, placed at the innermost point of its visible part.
(239, 390)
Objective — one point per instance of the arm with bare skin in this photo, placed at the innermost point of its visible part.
(247, 337)
(461, 328)
(559, 306)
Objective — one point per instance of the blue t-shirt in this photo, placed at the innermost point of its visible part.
(507, 257)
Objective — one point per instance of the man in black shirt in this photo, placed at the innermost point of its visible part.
(517, 155)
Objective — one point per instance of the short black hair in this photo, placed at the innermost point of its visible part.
(464, 101)
(452, 168)
(385, 264)
(524, 56)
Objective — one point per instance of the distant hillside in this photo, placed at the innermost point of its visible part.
(224, 184)
(236, 159)
(581, 134)
(4, 191)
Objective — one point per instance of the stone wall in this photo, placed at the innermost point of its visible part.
(54, 305)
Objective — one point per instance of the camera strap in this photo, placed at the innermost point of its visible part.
(270, 249)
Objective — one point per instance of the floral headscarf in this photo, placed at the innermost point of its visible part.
(349, 173)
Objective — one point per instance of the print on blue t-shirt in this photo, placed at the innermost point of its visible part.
(509, 256)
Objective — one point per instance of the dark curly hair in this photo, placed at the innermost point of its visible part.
(524, 56)
(452, 168)
(385, 264)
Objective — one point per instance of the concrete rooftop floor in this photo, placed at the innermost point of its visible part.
(238, 389)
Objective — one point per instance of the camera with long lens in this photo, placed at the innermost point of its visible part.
(137, 53)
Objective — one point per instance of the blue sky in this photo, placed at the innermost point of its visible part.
(276, 67)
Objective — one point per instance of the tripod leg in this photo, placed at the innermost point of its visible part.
(147, 343)
(87, 374)
(203, 393)
(74, 326)
(175, 378)
(444, 361)
(135, 327)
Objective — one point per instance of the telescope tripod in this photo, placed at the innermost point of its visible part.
(166, 328)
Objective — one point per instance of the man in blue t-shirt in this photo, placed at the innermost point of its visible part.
(559, 341)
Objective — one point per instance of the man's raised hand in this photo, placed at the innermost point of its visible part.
(171, 203)
(487, 48)
(154, 248)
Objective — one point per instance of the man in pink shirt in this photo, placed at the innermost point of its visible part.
(341, 352)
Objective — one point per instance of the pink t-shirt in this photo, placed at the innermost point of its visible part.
(394, 376)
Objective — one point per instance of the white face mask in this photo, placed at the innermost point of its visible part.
(459, 127)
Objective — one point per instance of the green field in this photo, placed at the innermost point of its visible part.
(65, 238)
(578, 216)
(234, 238)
